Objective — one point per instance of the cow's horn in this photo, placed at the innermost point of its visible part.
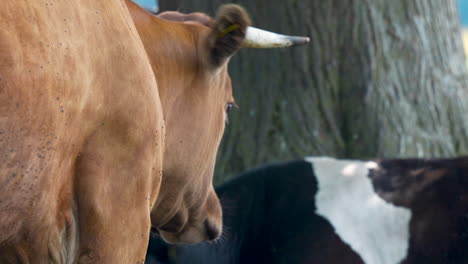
(259, 38)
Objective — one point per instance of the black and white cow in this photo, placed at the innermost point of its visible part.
(324, 210)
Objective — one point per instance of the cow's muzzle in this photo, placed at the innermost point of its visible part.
(206, 224)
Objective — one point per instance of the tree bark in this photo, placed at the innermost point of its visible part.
(379, 79)
(169, 5)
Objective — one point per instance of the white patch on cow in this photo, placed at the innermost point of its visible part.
(378, 231)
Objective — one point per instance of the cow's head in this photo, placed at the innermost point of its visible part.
(189, 55)
(436, 192)
(405, 182)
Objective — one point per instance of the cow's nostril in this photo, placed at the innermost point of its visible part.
(212, 231)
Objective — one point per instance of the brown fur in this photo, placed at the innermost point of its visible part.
(224, 45)
(198, 101)
(82, 131)
(196, 17)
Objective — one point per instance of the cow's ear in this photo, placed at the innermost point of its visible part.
(227, 33)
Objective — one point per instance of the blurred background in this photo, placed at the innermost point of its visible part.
(380, 79)
(149, 4)
(463, 9)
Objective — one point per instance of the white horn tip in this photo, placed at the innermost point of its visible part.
(259, 38)
(298, 40)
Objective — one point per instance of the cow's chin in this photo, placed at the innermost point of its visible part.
(193, 234)
(189, 226)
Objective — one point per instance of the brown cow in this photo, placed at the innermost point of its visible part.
(190, 65)
(198, 49)
(82, 129)
(81, 133)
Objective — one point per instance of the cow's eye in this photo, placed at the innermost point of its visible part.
(229, 106)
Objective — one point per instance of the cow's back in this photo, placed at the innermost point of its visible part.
(308, 212)
(68, 70)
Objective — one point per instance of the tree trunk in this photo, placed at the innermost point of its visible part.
(169, 5)
(379, 79)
